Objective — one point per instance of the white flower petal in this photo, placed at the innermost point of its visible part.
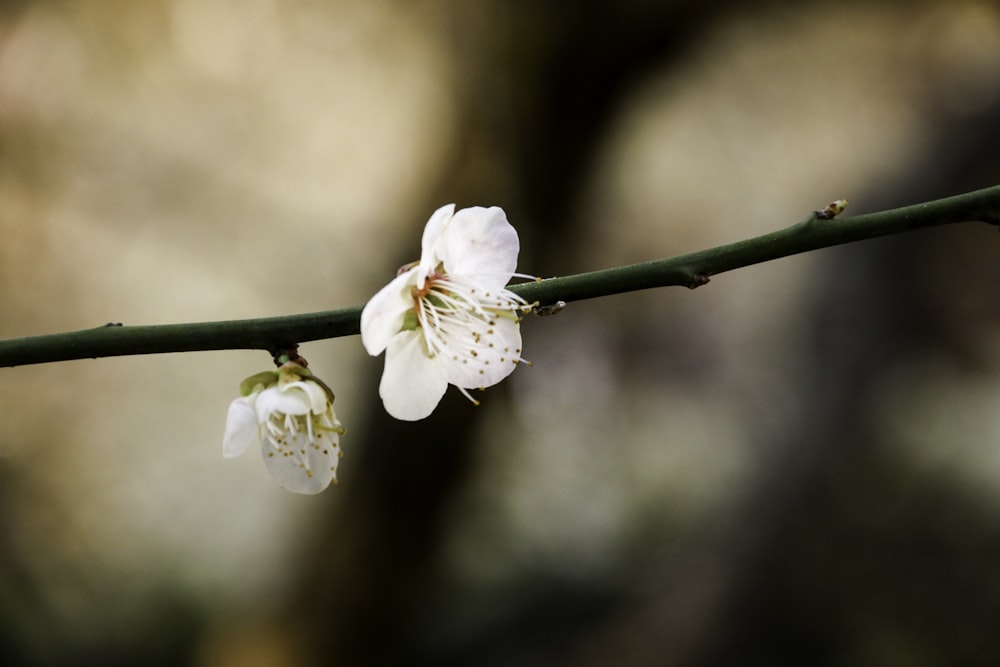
(314, 395)
(479, 242)
(304, 465)
(289, 399)
(382, 316)
(429, 241)
(241, 427)
(492, 358)
(412, 383)
(319, 400)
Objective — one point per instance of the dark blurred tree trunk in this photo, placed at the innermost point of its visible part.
(542, 82)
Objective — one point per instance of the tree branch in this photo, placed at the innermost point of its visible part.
(690, 270)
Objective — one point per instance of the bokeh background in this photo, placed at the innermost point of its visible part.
(796, 464)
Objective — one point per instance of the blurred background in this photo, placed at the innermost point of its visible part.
(796, 464)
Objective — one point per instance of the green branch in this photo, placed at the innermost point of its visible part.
(690, 270)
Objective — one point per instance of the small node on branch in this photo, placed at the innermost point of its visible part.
(549, 309)
(831, 210)
(697, 280)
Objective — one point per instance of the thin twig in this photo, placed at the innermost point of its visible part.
(690, 270)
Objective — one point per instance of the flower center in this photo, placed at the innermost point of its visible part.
(458, 317)
(290, 436)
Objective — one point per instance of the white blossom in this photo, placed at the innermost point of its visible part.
(290, 413)
(448, 318)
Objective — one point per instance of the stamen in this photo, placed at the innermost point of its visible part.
(468, 396)
(450, 309)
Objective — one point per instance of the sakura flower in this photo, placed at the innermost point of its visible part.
(448, 318)
(290, 413)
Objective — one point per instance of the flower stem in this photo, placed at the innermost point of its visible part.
(690, 270)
